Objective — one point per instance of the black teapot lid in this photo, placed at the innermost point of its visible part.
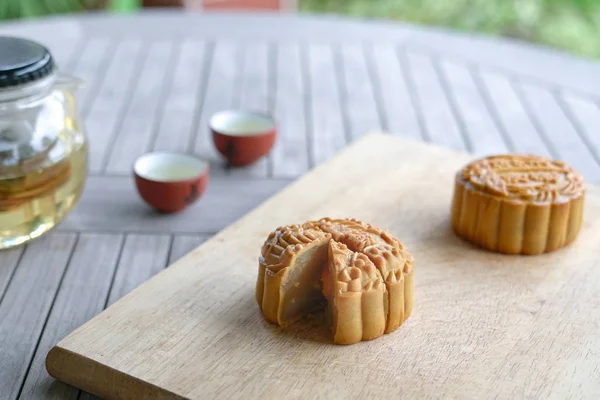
(23, 61)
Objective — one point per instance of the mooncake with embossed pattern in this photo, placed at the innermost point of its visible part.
(362, 274)
(518, 204)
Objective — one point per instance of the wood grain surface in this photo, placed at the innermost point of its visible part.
(485, 325)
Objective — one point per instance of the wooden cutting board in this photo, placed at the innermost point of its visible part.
(485, 325)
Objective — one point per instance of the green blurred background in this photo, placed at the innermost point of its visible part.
(571, 25)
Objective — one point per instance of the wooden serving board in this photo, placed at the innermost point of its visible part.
(484, 325)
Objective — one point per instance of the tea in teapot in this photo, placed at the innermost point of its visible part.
(43, 146)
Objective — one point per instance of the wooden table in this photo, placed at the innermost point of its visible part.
(155, 79)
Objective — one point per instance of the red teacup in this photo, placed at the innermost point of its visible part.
(170, 182)
(243, 137)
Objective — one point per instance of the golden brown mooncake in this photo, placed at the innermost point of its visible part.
(335, 262)
(518, 204)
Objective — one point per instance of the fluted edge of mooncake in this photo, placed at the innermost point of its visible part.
(515, 226)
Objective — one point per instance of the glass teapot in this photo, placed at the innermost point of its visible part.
(43, 145)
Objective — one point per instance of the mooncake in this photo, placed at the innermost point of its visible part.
(360, 274)
(518, 204)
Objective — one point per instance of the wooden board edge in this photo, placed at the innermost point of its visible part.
(84, 373)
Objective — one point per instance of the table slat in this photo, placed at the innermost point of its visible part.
(586, 116)
(440, 125)
(219, 95)
(557, 130)
(183, 244)
(358, 98)
(26, 304)
(510, 115)
(253, 92)
(91, 67)
(9, 259)
(327, 135)
(107, 107)
(483, 135)
(81, 296)
(139, 123)
(117, 207)
(183, 99)
(142, 257)
(290, 153)
(399, 116)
